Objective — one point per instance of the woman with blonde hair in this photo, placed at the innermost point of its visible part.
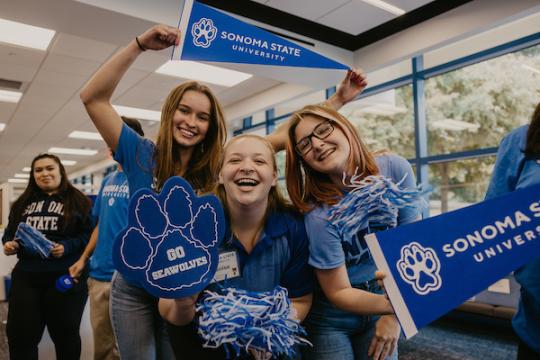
(324, 156)
(266, 235)
(189, 144)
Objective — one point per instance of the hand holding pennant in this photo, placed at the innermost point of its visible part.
(434, 265)
(170, 245)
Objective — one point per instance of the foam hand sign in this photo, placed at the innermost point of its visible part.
(170, 245)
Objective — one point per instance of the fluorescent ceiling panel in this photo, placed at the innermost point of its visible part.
(27, 169)
(2, 126)
(81, 152)
(138, 113)
(16, 33)
(10, 96)
(18, 181)
(386, 7)
(203, 72)
(68, 162)
(22, 176)
(87, 135)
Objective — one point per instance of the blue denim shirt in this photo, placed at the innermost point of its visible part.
(514, 171)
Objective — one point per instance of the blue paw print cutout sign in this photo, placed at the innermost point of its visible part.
(170, 244)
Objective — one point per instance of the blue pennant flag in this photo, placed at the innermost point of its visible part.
(211, 35)
(170, 244)
(435, 265)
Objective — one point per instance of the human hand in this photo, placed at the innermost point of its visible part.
(76, 269)
(159, 37)
(354, 83)
(11, 247)
(57, 251)
(386, 336)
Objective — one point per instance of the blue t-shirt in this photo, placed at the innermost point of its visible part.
(513, 171)
(136, 155)
(329, 251)
(110, 207)
(278, 258)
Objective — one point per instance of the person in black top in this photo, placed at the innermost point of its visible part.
(51, 205)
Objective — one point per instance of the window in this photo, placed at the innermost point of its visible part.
(385, 120)
(457, 184)
(475, 106)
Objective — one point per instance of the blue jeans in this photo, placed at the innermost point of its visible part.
(140, 331)
(338, 335)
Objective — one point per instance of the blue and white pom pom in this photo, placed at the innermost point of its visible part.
(260, 323)
(372, 200)
(34, 241)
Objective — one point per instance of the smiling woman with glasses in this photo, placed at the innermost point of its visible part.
(321, 132)
(323, 152)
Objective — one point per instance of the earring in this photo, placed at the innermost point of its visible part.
(202, 147)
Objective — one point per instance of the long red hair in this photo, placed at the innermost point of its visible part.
(307, 187)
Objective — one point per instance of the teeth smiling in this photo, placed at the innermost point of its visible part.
(186, 132)
(246, 182)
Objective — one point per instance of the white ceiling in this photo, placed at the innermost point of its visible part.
(350, 16)
(50, 108)
(88, 32)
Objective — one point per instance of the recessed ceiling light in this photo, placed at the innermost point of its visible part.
(68, 162)
(22, 176)
(16, 33)
(203, 72)
(10, 96)
(27, 169)
(88, 135)
(82, 152)
(2, 126)
(386, 6)
(138, 113)
(18, 181)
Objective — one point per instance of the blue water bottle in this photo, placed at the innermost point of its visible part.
(64, 283)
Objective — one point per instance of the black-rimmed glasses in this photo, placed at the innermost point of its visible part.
(321, 131)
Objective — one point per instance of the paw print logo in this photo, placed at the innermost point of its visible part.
(170, 245)
(419, 267)
(203, 32)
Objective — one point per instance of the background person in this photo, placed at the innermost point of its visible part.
(518, 166)
(110, 208)
(56, 208)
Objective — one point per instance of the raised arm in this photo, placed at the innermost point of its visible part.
(96, 94)
(351, 86)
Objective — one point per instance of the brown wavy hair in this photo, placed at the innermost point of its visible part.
(202, 168)
(532, 148)
(276, 200)
(307, 187)
(75, 202)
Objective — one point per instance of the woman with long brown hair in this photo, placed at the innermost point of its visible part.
(189, 144)
(54, 207)
(324, 151)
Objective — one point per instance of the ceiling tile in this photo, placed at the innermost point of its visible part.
(307, 9)
(70, 65)
(356, 17)
(79, 47)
